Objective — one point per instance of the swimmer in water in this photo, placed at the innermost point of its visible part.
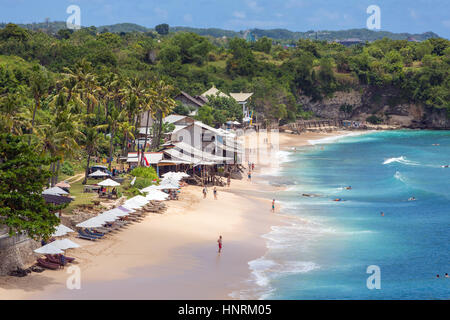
(412, 199)
(348, 188)
(338, 199)
(382, 214)
(445, 166)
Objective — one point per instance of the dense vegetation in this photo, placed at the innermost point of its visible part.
(82, 92)
(77, 95)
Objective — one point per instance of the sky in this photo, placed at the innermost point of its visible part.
(413, 16)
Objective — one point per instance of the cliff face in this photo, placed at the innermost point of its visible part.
(384, 104)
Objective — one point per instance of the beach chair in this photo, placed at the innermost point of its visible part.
(94, 234)
(48, 265)
(84, 236)
(55, 260)
(68, 259)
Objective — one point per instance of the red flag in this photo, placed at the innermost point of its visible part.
(146, 162)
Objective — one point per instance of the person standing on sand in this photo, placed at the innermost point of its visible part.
(229, 180)
(273, 205)
(215, 193)
(219, 242)
(253, 166)
(204, 192)
(249, 176)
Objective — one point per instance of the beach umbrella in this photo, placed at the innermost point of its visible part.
(117, 212)
(107, 217)
(57, 191)
(127, 210)
(61, 230)
(91, 223)
(62, 184)
(169, 185)
(148, 189)
(49, 248)
(132, 205)
(108, 183)
(65, 244)
(99, 173)
(139, 199)
(157, 195)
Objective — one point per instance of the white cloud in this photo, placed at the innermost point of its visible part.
(239, 14)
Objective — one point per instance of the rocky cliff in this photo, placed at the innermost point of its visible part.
(385, 104)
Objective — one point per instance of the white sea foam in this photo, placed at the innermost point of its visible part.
(264, 269)
(402, 160)
(399, 176)
(335, 138)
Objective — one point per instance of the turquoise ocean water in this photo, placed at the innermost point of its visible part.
(324, 250)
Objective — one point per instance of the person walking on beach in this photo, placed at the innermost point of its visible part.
(253, 166)
(204, 192)
(215, 193)
(249, 176)
(273, 205)
(229, 180)
(219, 242)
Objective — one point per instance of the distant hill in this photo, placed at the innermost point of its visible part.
(276, 34)
(123, 27)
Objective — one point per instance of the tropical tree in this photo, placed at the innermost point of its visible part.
(22, 178)
(92, 138)
(40, 82)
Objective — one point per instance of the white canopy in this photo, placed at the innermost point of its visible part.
(61, 230)
(64, 244)
(175, 174)
(136, 202)
(156, 195)
(98, 173)
(117, 212)
(108, 183)
(91, 223)
(124, 209)
(49, 248)
(57, 191)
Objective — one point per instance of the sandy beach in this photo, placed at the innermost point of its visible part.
(172, 255)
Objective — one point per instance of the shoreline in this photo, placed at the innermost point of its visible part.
(173, 255)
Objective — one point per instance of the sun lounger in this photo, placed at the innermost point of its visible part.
(47, 264)
(91, 233)
(68, 259)
(84, 236)
(55, 260)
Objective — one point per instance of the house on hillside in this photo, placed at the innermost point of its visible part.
(192, 103)
(242, 98)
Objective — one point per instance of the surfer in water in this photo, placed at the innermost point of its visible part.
(348, 188)
(412, 199)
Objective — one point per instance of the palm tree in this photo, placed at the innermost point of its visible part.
(163, 105)
(39, 85)
(91, 142)
(115, 120)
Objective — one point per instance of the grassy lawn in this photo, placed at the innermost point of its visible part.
(76, 190)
